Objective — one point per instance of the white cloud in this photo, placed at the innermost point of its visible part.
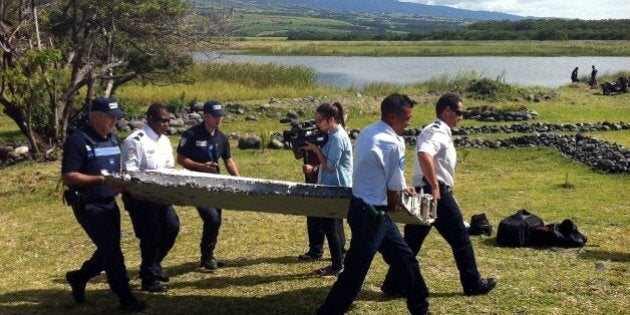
(577, 9)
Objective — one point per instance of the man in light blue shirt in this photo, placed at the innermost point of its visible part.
(378, 182)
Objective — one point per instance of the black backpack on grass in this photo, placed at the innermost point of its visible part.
(565, 234)
(516, 229)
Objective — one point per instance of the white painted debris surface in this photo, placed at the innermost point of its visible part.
(188, 188)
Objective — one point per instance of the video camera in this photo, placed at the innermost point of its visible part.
(302, 132)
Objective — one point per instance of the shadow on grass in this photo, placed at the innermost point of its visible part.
(194, 267)
(55, 301)
(220, 282)
(11, 136)
(240, 262)
(605, 255)
(366, 295)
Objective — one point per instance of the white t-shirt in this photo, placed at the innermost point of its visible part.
(436, 140)
(146, 150)
(379, 162)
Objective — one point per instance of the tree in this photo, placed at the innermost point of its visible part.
(59, 54)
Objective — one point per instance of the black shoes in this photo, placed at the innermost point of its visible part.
(130, 303)
(163, 276)
(210, 263)
(422, 310)
(153, 285)
(77, 283)
(309, 256)
(479, 224)
(484, 287)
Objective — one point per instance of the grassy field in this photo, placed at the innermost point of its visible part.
(253, 24)
(434, 48)
(41, 240)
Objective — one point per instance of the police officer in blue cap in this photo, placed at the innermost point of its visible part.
(199, 149)
(86, 154)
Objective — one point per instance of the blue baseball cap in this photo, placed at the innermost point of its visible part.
(213, 108)
(106, 105)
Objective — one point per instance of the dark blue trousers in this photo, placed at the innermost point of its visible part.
(101, 222)
(156, 226)
(332, 229)
(211, 218)
(371, 234)
(450, 225)
(315, 236)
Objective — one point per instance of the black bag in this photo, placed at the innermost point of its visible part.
(564, 234)
(479, 224)
(516, 229)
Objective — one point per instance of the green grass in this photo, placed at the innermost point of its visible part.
(41, 241)
(434, 48)
(247, 24)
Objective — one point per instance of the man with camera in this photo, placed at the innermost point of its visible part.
(86, 153)
(299, 134)
(199, 149)
(434, 173)
(334, 169)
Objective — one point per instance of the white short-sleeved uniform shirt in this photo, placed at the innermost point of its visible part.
(144, 150)
(379, 163)
(436, 140)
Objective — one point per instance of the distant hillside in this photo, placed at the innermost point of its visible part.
(394, 6)
(365, 6)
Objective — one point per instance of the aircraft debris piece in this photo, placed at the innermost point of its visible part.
(188, 188)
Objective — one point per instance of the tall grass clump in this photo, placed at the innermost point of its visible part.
(454, 83)
(259, 75)
(230, 82)
(380, 88)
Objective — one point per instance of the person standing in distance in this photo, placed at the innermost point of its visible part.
(155, 225)
(199, 150)
(434, 173)
(378, 182)
(86, 153)
(574, 75)
(334, 169)
(593, 81)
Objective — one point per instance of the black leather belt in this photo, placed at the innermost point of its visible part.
(101, 200)
(443, 187)
(379, 208)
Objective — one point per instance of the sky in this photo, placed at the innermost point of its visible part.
(573, 9)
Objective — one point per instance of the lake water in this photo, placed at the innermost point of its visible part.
(359, 71)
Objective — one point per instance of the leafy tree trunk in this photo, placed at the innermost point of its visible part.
(57, 55)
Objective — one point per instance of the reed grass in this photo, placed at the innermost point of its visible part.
(231, 82)
(435, 48)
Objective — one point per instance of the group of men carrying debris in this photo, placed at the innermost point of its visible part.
(378, 184)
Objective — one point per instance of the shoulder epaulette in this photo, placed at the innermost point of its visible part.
(139, 135)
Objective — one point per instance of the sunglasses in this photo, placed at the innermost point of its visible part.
(162, 120)
(458, 112)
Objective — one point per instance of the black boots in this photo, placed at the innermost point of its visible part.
(130, 303)
(209, 262)
(485, 286)
(153, 285)
(479, 224)
(77, 282)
